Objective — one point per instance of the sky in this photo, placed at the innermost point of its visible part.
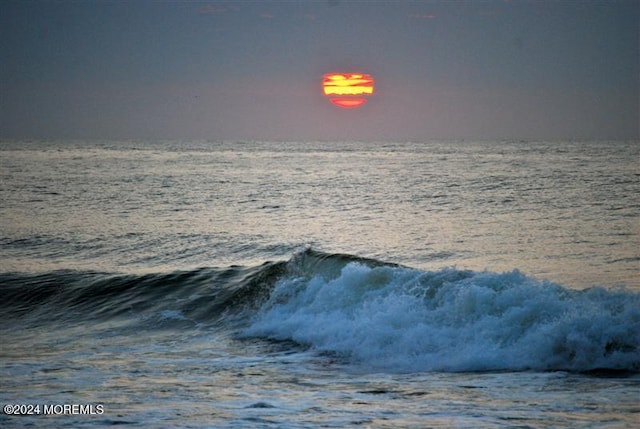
(223, 70)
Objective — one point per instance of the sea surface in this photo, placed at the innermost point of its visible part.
(445, 284)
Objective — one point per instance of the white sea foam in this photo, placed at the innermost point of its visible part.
(401, 319)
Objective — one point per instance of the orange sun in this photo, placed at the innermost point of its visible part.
(347, 90)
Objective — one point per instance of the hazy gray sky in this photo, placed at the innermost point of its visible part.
(252, 70)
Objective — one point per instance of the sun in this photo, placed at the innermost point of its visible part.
(348, 90)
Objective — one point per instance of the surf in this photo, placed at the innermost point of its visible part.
(374, 315)
(387, 317)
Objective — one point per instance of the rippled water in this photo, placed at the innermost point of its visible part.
(565, 211)
(134, 276)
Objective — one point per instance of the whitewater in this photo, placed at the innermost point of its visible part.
(320, 284)
(399, 319)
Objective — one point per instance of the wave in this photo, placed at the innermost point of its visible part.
(394, 318)
(376, 315)
(204, 296)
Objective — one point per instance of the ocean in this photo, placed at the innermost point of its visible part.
(232, 284)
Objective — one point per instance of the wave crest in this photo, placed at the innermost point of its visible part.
(377, 315)
(401, 319)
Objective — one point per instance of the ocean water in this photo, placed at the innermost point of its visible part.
(320, 284)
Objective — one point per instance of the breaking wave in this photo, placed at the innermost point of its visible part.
(375, 315)
(394, 318)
